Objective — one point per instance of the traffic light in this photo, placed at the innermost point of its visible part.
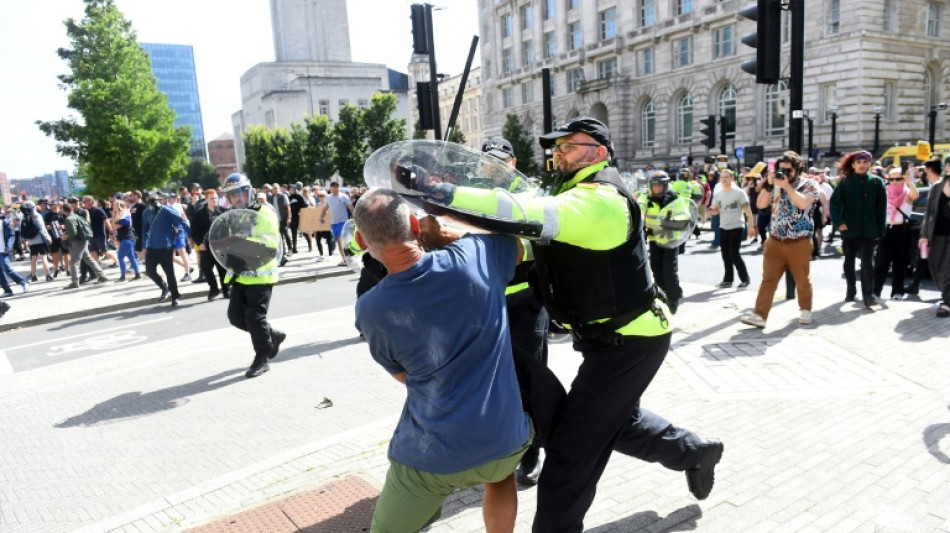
(424, 103)
(420, 41)
(767, 41)
(708, 131)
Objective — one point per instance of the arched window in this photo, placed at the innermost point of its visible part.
(684, 119)
(648, 124)
(727, 109)
(776, 109)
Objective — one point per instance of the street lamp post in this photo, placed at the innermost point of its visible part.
(811, 139)
(933, 122)
(877, 129)
(834, 132)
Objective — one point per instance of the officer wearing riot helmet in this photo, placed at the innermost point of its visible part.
(251, 285)
(659, 208)
(591, 270)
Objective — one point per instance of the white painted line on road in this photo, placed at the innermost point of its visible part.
(96, 332)
(5, 367)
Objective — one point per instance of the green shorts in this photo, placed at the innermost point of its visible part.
(412, 499)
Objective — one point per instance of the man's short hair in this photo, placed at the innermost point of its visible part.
(382, 218)
(934, 165)
(796, 160)
(334, 184)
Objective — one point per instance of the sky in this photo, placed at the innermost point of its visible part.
(228, 37)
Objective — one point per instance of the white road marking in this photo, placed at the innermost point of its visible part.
(96, 332)
(5, 367)
(99, 342)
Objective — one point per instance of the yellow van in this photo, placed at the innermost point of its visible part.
(895, 154)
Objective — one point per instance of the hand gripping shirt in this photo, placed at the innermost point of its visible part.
(444, 323)
(788, 221)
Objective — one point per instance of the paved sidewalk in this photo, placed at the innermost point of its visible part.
(842, 425)
(93, 299)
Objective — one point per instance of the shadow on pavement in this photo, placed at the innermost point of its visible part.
(134, 404)
(834, 314)
(922, 325)
(157, 308)
(682, 519)
(932, 436)
(312, 349)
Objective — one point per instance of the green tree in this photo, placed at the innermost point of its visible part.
(381, 129)
(319, 153)
(295, 155)
(418, 132)
(258, 154)
(202, 173)
(457, 136)
(522, 142)
(349, 140)
(124, 134)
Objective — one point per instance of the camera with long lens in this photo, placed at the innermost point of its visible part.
(779, 175)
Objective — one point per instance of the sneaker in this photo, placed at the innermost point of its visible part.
(120, 280)
(4, 307)
(165, 294)
(102, 279)
(33, 279)
(744, 284)
(753, 319)
(7, 294)
(898, 296)
(805, 317)
(701, 477)
(136, 278)
(186, 277)
(72, 285)
(321, 259)
(725, 285)
(871, 302)
(49, 278)
(24, 286)
(341, 264)
(256, 369)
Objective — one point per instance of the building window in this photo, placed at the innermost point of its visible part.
(575, 39)
(889, 23)
(507, 97)
(507, 61)
(683, 52)
(550, 45)
(786, 27)
(547, 9)
(552, 85)
(362, 104)
(683, 6)
(647, 13)
(933, 19)
(727, 110)
(527, 92)
(776, 109)
(828, 101)
(269, 118)
(684, 119)
(888, 100)
(506, 28)
(574, 78)
(648, 124)
(486, 70)
(834, 17)
(527, 53)
(607, 68)
(573, 4)
(343, 103)
(645, 62)
(527, 16)
(608, 23)
(325, 107)
(724, 42)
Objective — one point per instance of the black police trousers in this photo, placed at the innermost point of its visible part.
(162, 257)
(247, 310)
(600, 414)
(208, 264)
(664, 262)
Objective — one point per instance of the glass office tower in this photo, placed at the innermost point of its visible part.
(174, 67)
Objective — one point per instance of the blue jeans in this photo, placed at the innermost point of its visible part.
(715, 228)
(8, 270)
(127, 250)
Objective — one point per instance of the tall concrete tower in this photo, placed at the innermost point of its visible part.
(310, 30)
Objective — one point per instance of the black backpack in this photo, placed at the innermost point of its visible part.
(29, 227)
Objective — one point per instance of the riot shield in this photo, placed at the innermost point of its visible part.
(675, 223)
(242, 244)
(352, 253)
(427, 172)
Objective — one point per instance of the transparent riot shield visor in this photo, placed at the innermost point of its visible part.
(352, 253)
(242, 244)
(677, 222)
(427, 172)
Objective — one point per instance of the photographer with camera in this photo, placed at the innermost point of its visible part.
(789, 246)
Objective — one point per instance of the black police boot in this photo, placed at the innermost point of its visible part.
(277, 337)
(258, 367)
(701, 477)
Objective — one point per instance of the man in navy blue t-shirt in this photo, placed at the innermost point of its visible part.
(437, 322)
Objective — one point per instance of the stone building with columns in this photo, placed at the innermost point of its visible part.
(651, 69)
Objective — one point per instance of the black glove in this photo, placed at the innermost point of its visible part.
(416, 178)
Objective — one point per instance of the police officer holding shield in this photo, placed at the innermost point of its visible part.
(593, 276)
(663, 212)
(246, 241)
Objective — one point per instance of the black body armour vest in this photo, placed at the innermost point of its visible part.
(579, 285)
